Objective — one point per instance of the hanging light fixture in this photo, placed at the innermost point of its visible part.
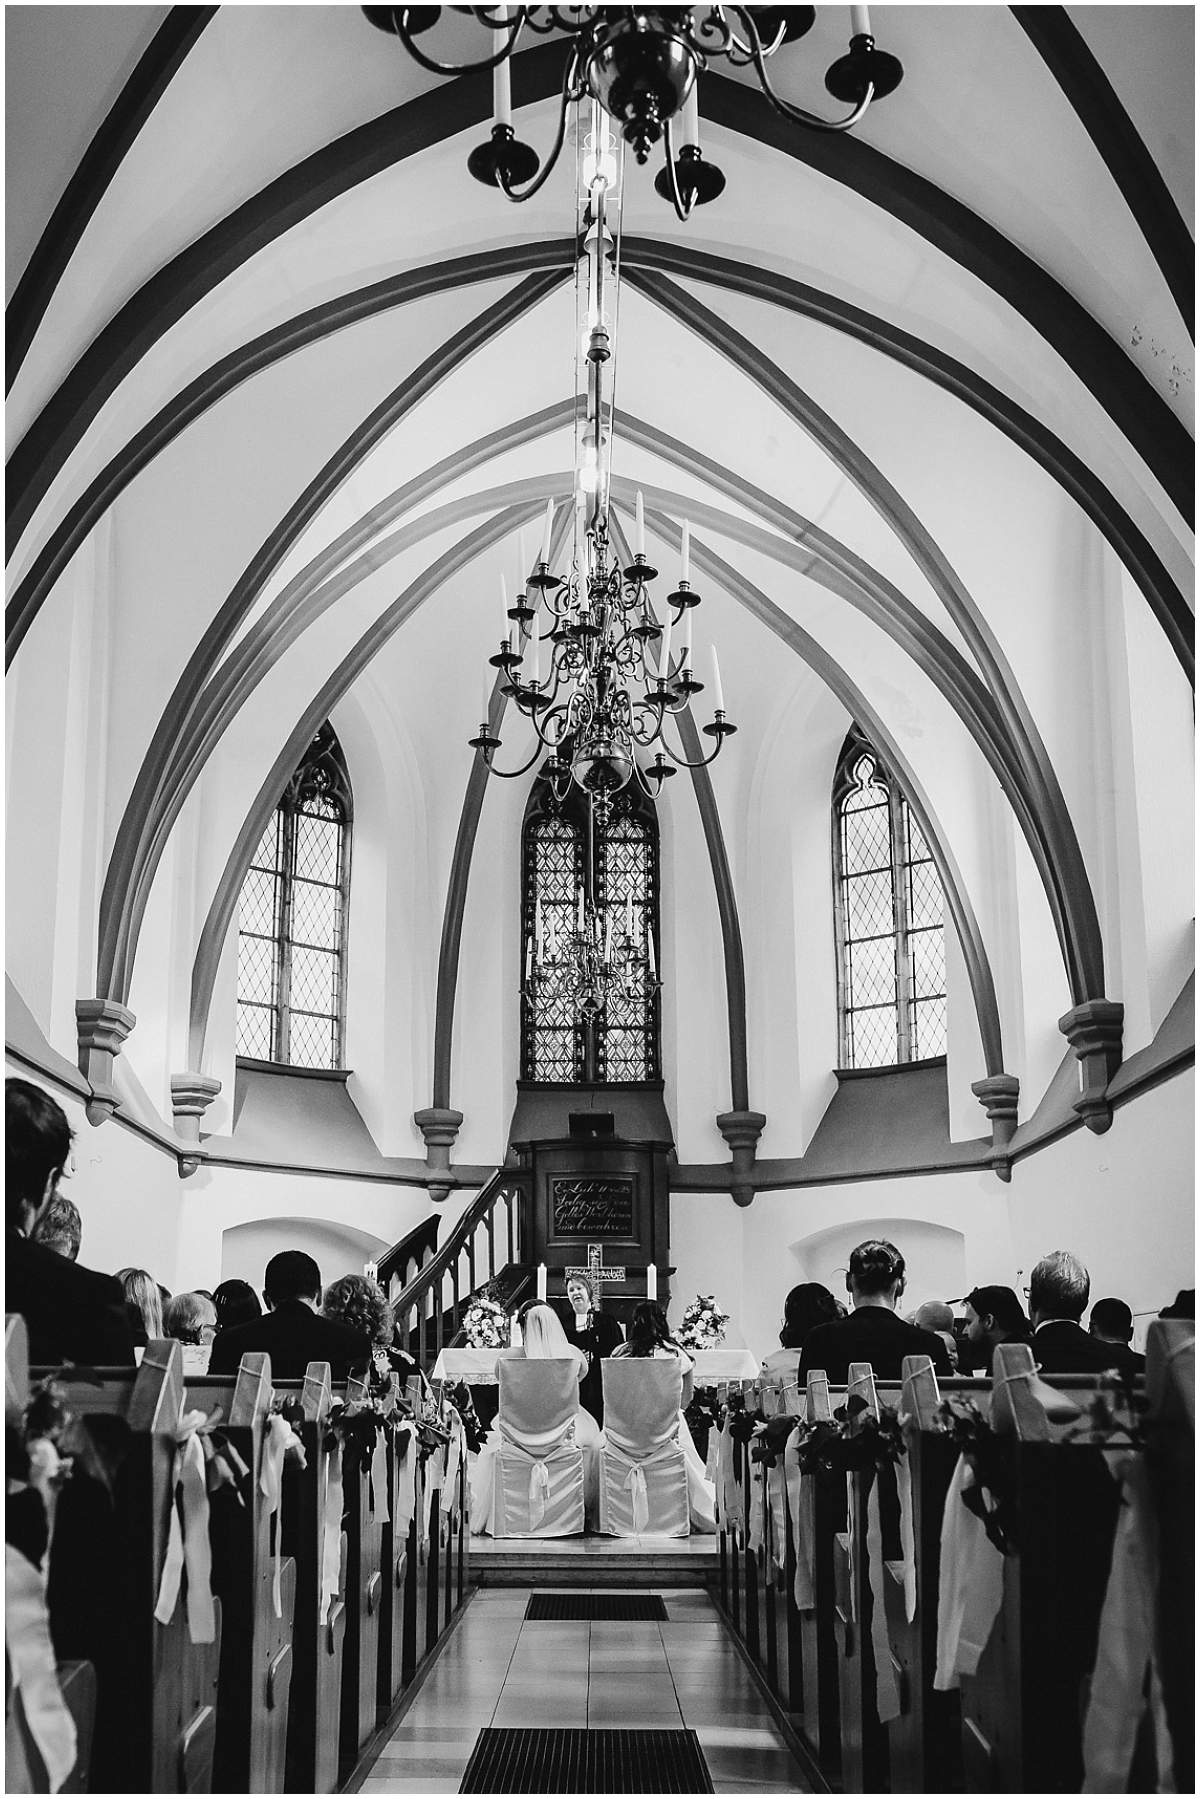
(597, 675)
(643, 65)
(604, 961)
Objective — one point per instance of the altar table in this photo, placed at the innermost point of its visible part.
(478, 1366)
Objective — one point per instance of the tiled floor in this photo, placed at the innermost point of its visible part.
(496, 1669)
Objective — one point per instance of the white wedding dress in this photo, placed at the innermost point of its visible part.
(702, 1514)
(483, 1466)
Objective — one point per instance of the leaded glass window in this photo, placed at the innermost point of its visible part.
(889, 920)
(614, 862)
(292, 919)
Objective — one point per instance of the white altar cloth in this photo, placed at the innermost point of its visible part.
(478, 1366)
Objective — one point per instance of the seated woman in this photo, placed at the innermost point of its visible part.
(805, 1307)
(543, 1338)
(650, 1335)
(362, 1304)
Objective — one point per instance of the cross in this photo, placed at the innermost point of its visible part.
(596, 1269)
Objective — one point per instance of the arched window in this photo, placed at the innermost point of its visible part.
(292, 919)
(565, 857)
(888, 917)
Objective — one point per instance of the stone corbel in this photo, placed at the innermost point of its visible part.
(191, 1096)
(998, 1095)
(741, 1131)
(439, 1126)
(101, 1027)
(1094, 1032)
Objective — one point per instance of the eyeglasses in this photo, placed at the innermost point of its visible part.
(202, 1333)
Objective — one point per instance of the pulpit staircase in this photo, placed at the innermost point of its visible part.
(430, 1288)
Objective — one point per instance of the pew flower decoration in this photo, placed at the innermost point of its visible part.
(704, 1324)
(458, 1397)
(992, 1498)
(770, 1438)
(851, 1441)
(485, 1322)
(359, 1424)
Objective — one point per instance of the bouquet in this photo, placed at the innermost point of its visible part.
(703, 1324)
(485, 1322)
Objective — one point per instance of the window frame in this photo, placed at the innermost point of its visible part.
(321, 774)
(900, 822)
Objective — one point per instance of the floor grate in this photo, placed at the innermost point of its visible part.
(595, 1608)
(586, 1761)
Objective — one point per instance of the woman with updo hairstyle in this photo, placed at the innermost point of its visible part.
(805, 1307)
(236, 1303)
(874, 1332)
(362, 1305)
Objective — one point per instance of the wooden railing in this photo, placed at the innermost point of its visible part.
(400, 1265)
(485, 1247)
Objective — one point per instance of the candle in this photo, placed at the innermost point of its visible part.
(501, 83)
(522, 571)
(651, 1281)
(650, 955)
(685, 554)
(608, 938)
(687, 637)
(487, 697)
(514, 1332)
(691, 117)
(539, 929)
(504, 606)
(860, 21)
(629, 913)
(718, 693)
(535, 638)
(529, 961)
(664, 660)
(546, 530)
(639, 532)
(541, 1288)
(580, 914)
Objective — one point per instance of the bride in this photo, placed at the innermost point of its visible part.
(543, 1339)
(650, 1335)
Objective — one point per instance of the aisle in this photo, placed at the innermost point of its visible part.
(500, 1670)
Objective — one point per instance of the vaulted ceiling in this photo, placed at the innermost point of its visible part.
(285, 383)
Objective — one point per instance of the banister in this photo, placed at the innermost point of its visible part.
(421, 1301)
(414, 1247)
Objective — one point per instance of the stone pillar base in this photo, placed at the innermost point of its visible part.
(439, 1125)
(101, 1027)
(191, 1096)
(741, 1131)
(1094, 1032)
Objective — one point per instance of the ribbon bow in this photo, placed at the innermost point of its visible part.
(539, 1493)
(187, 1541)
(279, 1441)
(33, 1669)
(641, 1503)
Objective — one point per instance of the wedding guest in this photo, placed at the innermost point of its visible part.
(650, 1336)
(873, 1332)
(805, 1307)
(236, 1303)
(1111, 1321)
(936, 1315)
(992, 1315)
(190, 1318)
(362, 1305)
(60, 1228)
(1182, 1306)
(71, 1313)
(292, 1332)
(1058, 1294)
(143, 1302)
(596, 1333)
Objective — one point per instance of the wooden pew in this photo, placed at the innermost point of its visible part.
(25, 1770)
(1171, 1455)
(363, 1588)
(818, 1642)
(156, 1689)
(256, 1645)
(394, 1553)
(925, 1741)
(415, 1582)
(863, 1737)
(315, 1710)
(1022, 1709)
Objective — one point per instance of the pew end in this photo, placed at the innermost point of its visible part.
(819, 1408)
(919, 1396)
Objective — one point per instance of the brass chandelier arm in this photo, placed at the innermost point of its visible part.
(572, 90)
(434, 67)
(683, 208)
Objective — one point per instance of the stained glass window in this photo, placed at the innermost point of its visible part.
(292, 919)
(889, 920)
(615, 862)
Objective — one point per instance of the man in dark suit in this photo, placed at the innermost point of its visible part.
(1058, 1292)
(293, 1332)
(873, 1332)
(1111, 1322)
(993, 1315)
(72, 1315)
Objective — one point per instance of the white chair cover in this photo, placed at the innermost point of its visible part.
(643, 1475)
(538, 1489)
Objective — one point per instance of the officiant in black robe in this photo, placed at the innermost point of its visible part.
(597, 1333)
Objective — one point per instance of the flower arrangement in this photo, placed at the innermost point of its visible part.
(485, 1322)
(703, 1324)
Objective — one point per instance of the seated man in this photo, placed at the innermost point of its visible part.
(71, 1314)
(292, 1332)
(60, 1228)
(1112, 1322)
(873, 1332)
(1058, 1293)
(993, 1315)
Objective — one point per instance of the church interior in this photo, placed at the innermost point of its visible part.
(646, 730)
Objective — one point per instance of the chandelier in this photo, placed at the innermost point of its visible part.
(603, 962)
(596, 674)
(642, 65)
